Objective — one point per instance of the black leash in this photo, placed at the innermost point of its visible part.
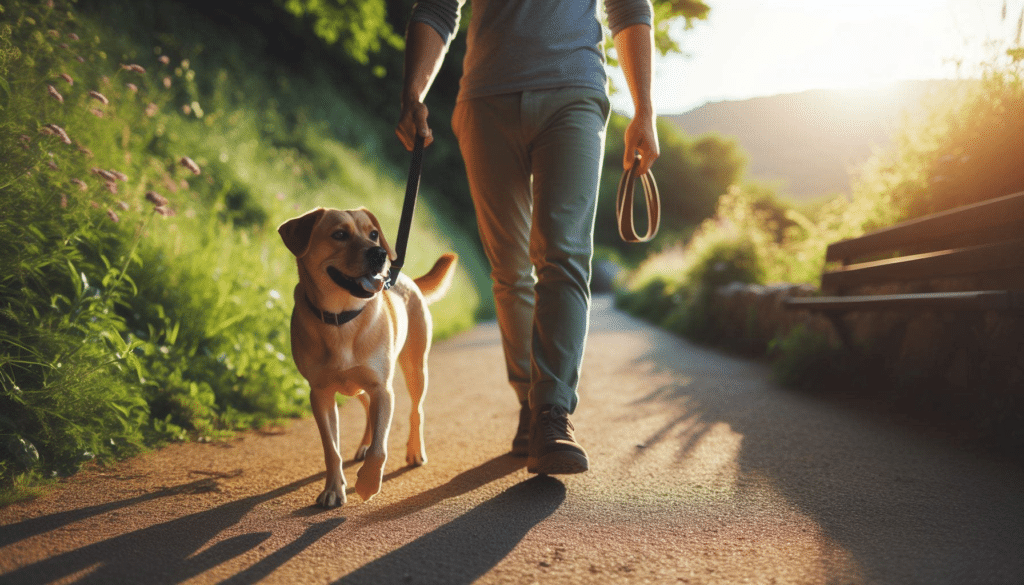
(412, 188)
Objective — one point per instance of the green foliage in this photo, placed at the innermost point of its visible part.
(668, 11)
(360, 25)
(144, 292)
(971, 149)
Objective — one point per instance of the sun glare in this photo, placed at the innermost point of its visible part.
(751, 48)
(842, 45)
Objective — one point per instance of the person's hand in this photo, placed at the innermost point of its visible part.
(413, 122)
(641, 138)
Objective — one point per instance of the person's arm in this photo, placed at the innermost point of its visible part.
(635, 46)
(424, 52)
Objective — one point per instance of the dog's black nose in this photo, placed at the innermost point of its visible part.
(377, 256)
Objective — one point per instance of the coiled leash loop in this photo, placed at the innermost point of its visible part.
(624, 204)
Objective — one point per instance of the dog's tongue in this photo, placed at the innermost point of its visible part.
(372, 283)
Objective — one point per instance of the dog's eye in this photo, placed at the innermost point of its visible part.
(374, 235)
(340, 235)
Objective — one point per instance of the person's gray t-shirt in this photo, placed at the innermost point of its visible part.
(518, 45)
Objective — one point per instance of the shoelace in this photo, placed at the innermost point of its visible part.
(558, 424)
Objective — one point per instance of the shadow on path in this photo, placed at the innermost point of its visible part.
(163, 553)
(910, 509)
(13, 533)
(466, 548)
(461, 484)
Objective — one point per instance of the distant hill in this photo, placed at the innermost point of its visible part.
(808, 142)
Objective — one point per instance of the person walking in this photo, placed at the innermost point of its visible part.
(530, 118)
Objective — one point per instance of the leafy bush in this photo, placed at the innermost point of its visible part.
(71, 218)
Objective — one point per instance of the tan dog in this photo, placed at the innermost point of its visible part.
(348, 332)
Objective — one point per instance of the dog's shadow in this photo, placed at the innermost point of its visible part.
(461, 484)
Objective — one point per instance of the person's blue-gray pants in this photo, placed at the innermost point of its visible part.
(534, 163)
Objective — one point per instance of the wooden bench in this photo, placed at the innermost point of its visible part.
(966, 260)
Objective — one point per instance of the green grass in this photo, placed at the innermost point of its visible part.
(123, 324)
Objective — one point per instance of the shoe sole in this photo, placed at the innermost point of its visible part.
(558, 463)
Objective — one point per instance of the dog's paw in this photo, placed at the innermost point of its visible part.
(331, 498)
(361, 453)
(416, 457)
(368, 480)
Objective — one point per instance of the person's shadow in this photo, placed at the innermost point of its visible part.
(471, 545)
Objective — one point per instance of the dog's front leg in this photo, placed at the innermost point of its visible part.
(380, 411)
(364, 445)
(325, 411)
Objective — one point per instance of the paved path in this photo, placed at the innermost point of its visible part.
(702, 472)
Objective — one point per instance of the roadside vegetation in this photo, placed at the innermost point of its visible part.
(144, 292)
(967, 149)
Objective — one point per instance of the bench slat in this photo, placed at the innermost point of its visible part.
(979, 217)
(988, 300)
(966, 261)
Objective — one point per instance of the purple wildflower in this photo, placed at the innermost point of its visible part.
(55, 130)
(156, 199)
(99, 97)
(190, 165)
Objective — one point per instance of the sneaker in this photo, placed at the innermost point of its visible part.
(553, 449)
(521, 442)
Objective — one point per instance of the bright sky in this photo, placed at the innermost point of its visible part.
(751, 48)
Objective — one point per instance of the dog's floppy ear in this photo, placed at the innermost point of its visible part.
(383, 241)
(296, 231)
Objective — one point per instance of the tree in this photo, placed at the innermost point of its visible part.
(361, 26)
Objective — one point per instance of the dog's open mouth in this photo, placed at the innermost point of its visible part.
(363, 286)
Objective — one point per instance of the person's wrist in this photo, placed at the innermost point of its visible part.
(644, 109)
(409, 100)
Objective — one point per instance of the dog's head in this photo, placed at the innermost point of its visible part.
(346, 247)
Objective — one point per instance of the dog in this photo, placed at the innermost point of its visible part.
(349, 330)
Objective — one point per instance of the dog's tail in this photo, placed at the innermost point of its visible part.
(435, 284)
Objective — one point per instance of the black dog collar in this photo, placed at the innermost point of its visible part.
(333, 318)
